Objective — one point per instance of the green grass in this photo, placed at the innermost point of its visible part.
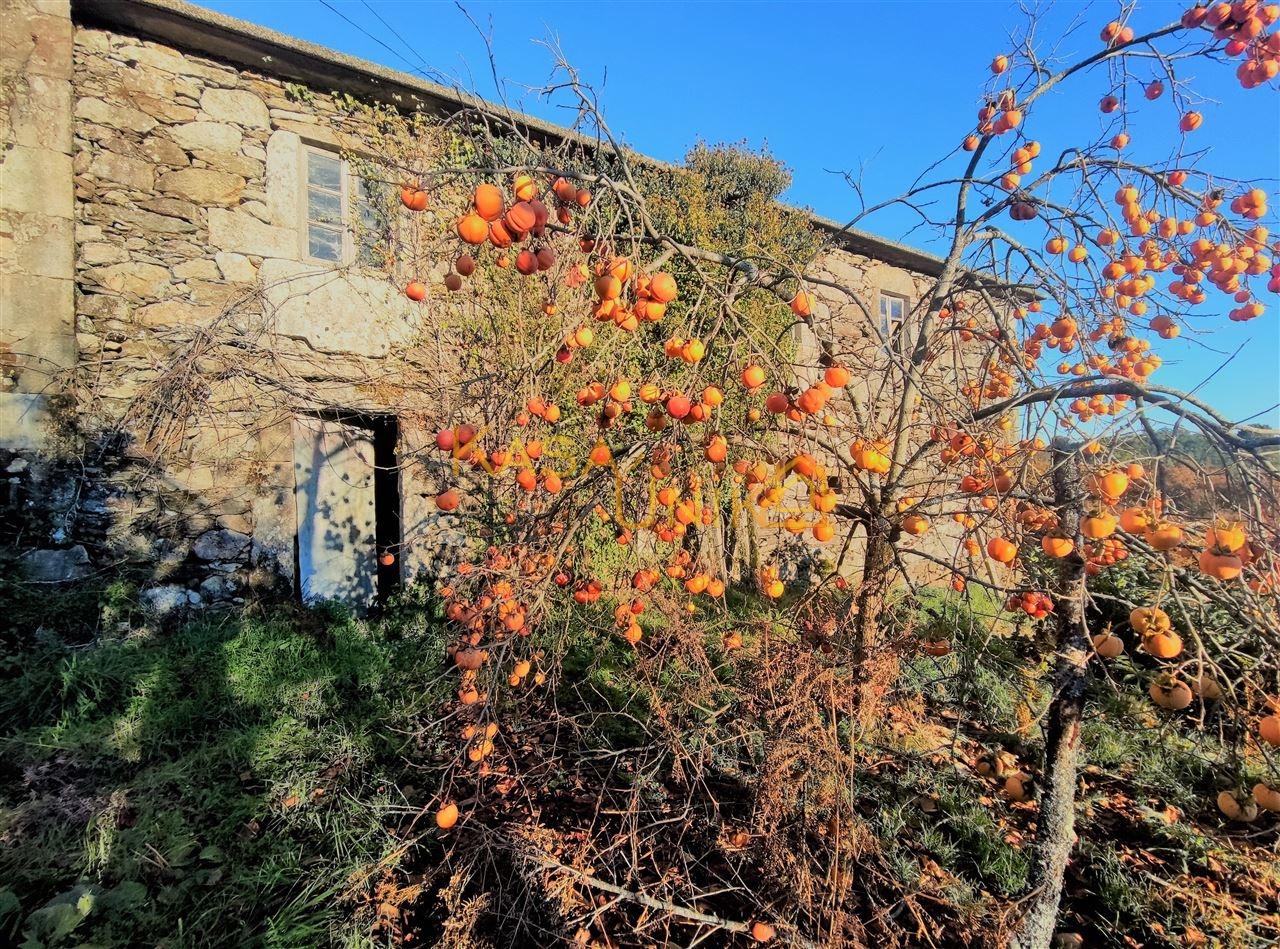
(219, 785)
(235, 782)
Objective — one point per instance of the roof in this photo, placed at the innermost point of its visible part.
(249, 45)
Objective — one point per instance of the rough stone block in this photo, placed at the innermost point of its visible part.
(221, 544)
(313, 304)
(37, 39)
(36, 244)
(214, 136)
(39, 324)
(147, 82)
(103, 307)
(202, 186)
(236, 268)
(244, 234)
(174, 313)
(36, 181)
(233, 162)
(98, 254)
(169, 599)
(110, 168)
(284, 182)
(147, 281)
(235, 105)
(56, 566)
(113, 115)
(40, 116)
(171, 61)
(160, 223)
(164, 152)
(24, 419)
(200, 269)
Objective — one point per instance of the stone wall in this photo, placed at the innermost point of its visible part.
(36, 241)
(38, 497)
(153, 202)
(874, 394)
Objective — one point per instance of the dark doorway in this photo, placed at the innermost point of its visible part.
(386, 494)
(347, 486)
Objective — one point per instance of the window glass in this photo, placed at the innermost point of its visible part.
(324, 207)
(374, 219)
(324, 243)
(893, 313)
(324, 171)
(350, 211)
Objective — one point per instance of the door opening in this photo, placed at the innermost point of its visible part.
(386, 504)
(347, 493)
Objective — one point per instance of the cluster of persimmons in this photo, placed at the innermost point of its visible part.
(1161, 239)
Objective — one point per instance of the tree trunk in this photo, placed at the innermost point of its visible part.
(1055, 829)
(868, 606)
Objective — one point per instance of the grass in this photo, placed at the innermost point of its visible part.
(223, 784)
(246, 779)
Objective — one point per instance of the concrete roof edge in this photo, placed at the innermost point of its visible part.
(268, 51)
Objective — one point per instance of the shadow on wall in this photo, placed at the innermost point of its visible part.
(336, 511)
(318, 527)
(71, 516)
(348, 508)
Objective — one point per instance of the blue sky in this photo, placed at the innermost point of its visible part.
(880, 90)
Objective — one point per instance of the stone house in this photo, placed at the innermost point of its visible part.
(166, 174)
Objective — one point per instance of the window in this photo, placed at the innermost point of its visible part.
(335, 232)
(893, 313)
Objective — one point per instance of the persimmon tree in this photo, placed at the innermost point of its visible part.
(661, 426)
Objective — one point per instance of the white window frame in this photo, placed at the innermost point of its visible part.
(304, 207)
(892, 334)
(346, 196)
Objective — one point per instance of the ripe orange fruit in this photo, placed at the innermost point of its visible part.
(1099, 525)
(836, 376)
(1164, 645)
(488, 201)
(1165, 537)
(1002, 549)
(753, 377)
(802, 304)
(678, 406)
(521, 218)
(413, 198)
(1235, 809)
(1267, 797)
(608, 287)
(1220, 566)
(1172, 694)
(447, 816)
(473, 229)
(777, 403)
(600, 454)
(662, 287)
(1056, 546)
(915, 524)
(762, 932)
(1108, 645)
